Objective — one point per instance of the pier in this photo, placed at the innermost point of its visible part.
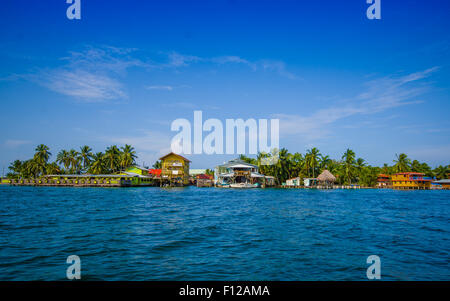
(84, 181)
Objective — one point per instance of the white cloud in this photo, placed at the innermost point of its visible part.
(278, 67)
(82, 84)
(168, 88)
(90, 75)
(180, 60)
(381, 94)
(16, 143)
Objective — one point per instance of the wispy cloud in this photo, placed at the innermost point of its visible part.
(16, 143)
(278, 67)
(96, 74)
(380, 94)
(166, 87)
(91, 75)
(82, 84)
(231, 59)
(181, 60)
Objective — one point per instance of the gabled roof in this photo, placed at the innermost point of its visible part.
(237, 162)
(172, 153)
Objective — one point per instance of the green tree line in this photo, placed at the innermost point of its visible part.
(349, 169)
(112, 160)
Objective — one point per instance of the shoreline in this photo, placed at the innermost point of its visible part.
(336, 187)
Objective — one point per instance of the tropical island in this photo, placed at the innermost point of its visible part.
(116, 166)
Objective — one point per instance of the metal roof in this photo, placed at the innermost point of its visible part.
(443, 181)
(234, 162)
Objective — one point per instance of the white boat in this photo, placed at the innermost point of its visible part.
(242, 185)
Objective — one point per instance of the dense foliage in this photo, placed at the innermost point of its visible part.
(348, 169)
(114, 159)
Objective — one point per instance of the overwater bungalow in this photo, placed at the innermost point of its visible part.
(411, 180)
(240, 174)
(310, 182)
(293, 182)
(441, 184)
(384, 181)
(204, 180)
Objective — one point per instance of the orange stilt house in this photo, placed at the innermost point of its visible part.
(411, 180)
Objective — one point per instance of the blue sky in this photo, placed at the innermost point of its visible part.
(127, 69)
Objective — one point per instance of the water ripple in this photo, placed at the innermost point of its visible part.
(222, 234)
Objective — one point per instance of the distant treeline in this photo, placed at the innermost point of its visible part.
(348, 170)
(72, 161)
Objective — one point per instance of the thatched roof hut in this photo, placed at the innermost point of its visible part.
(327, 177)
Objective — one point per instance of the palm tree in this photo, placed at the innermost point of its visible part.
(440, 172)
(16, 168)
(402, 164)
(157, 165)
(359, 165)
(127, 157)
(74, 159)
(86, 156)
(348, 164)
(42, 154)
(112, 158)
(386, 169)
(282, 167)
(312, 160)
(325, 162)
(368, 176)
(53, 169)
(298, 163)
(38, 167)
(30, 169)
(98, 164)
(63, 159)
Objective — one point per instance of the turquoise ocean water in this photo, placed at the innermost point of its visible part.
(223, 234)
